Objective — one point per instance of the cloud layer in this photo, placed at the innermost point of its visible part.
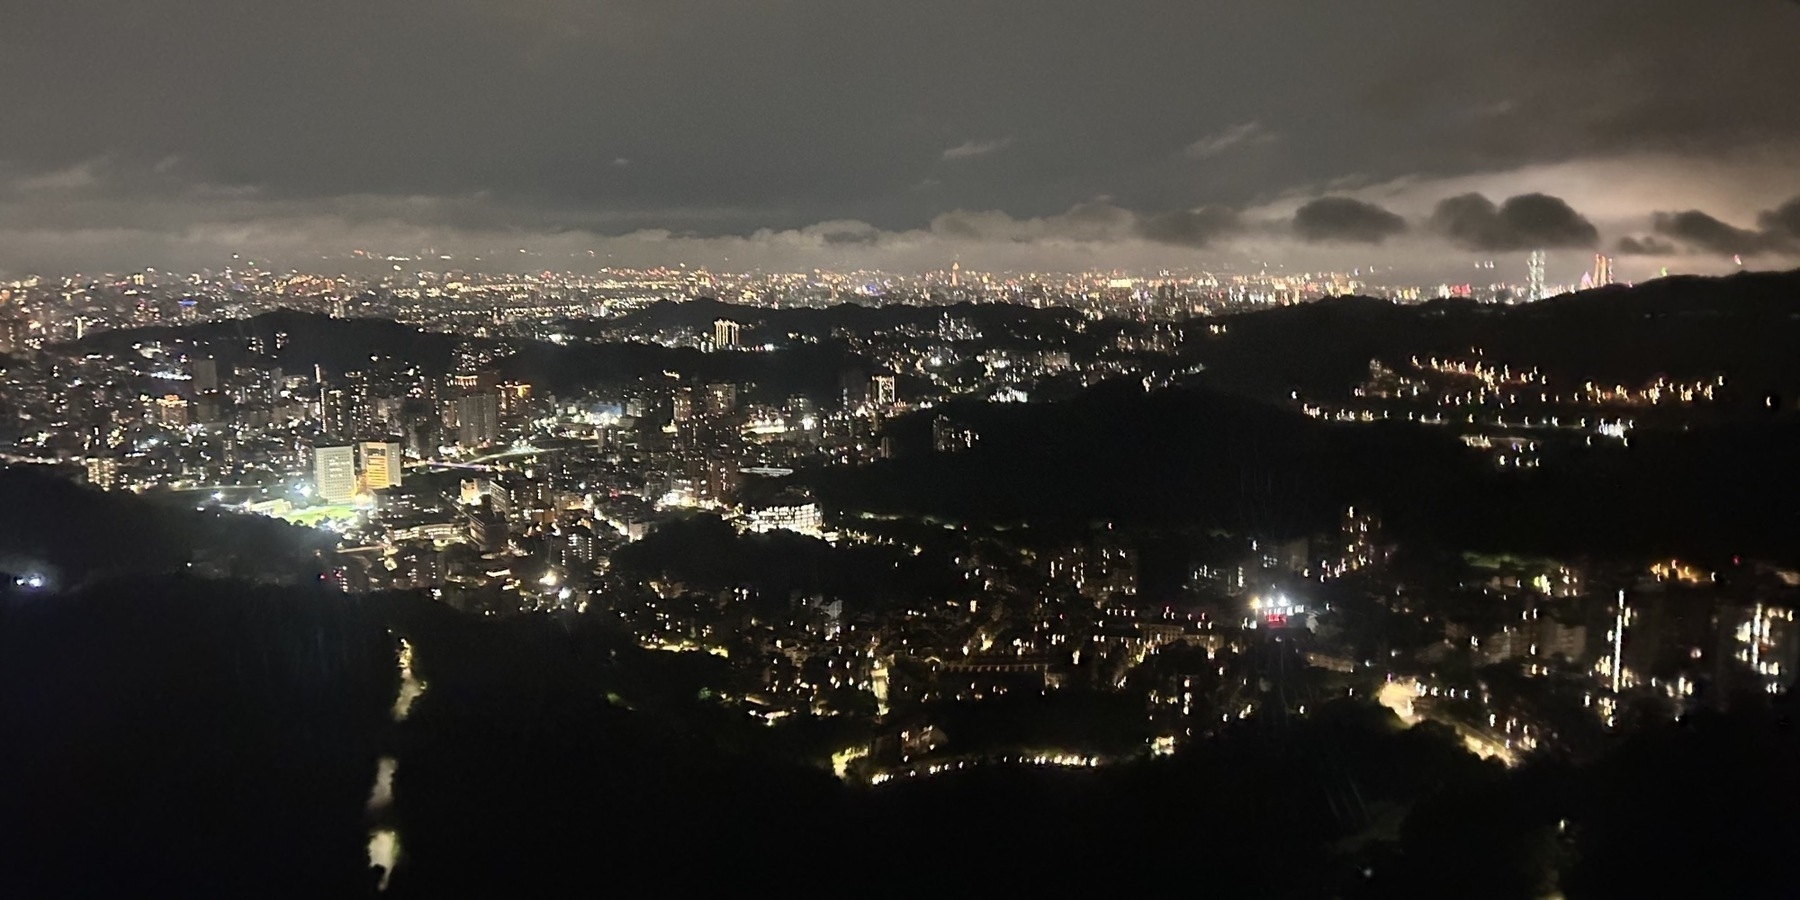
(1777, 234)
(116, 213)
(1525, 222)
(739, 117)
(1346, 220)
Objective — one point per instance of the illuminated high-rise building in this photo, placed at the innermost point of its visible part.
(882, 391)
(103, 472)
(13, 332)
(172, 411)
(206, 375)
(477, 419)
(382, 465)
(1534, 290)
(1603, 270)
(725, 334)
(337, 412)
(515, 398)
(334, 473)
(721, 399)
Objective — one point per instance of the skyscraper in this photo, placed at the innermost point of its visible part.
(172, 411)
(334, 473)
(721, 399)
(515, 398)
(382, 465)
(477, 419)
(206, 375)
(13, 333)
(854, 387)
(882, 391)
(337, 412)
(103, 472)
(725, 334)
(1603, 270)
(1534, 290)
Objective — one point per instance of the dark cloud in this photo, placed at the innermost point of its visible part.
(959, 224)
(1098, 218)
(850, 233)
(1784, 221)
(1345, 220)
(1645, 245)
(1525, 222)
(1597, 78)
(215, 126)
(1190, 227)
(1707, 234)
(750, 114)
(1095, 221)
(117, 212)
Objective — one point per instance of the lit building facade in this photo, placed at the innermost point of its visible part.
(383, 467)
(334, 473)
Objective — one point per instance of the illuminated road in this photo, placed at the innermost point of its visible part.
(477, 462)
(384, 841)
(957, 764)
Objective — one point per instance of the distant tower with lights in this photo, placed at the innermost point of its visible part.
(1534, 290)
(1603, 270)
(726, 334)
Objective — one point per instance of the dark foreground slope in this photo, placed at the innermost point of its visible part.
(195, 738)
(220, 740)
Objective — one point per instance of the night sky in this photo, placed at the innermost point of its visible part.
(1419, 134)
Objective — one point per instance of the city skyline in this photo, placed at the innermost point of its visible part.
(1272, 448)
(961, 533)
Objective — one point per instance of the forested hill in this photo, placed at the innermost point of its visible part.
(1744, 326)
(71, 534)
